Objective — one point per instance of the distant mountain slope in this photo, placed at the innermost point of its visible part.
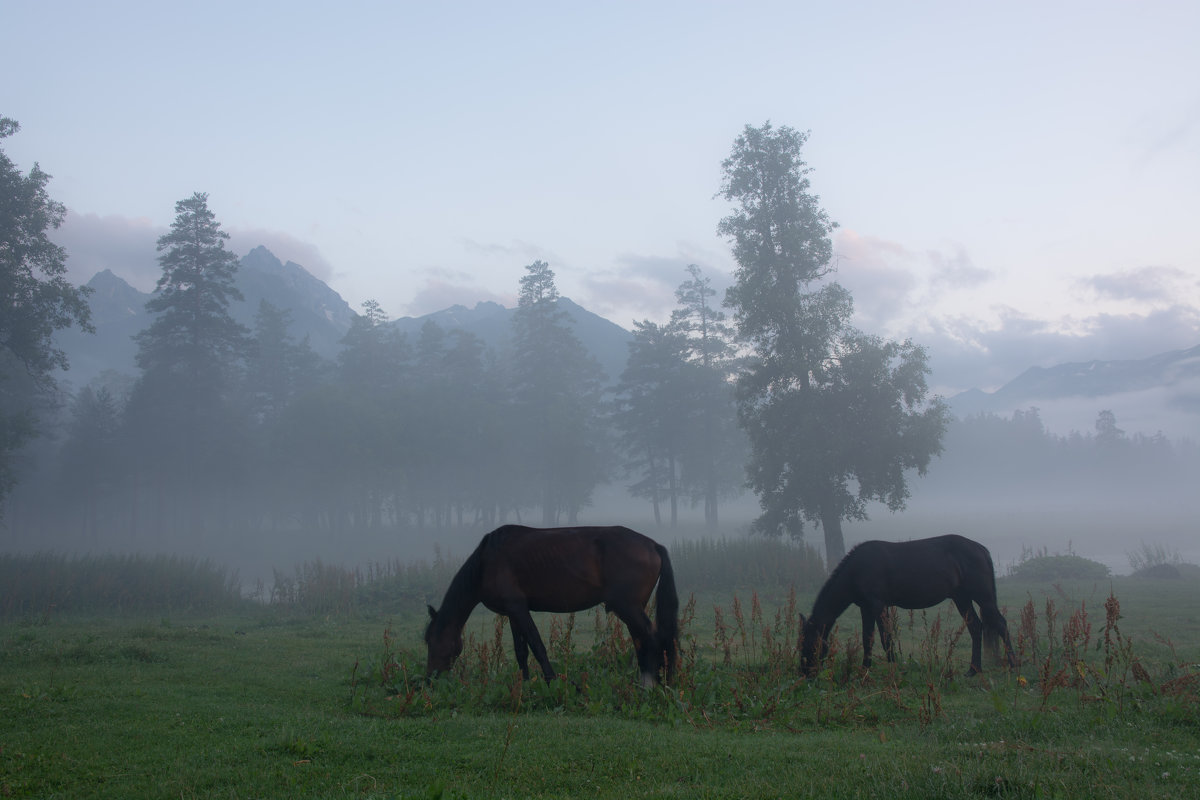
(1099, 378)
(492, 323)
(1159, 392)
(119, 313)
(317, 311)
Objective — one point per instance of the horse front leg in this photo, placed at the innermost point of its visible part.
(887, 633)
(870, 613)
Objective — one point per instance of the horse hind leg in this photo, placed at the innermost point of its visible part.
(520, 648)
(975, 628)
(641, 631)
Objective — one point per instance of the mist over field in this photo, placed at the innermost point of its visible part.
(299, 304)
(1013, 520)
(1024, 469)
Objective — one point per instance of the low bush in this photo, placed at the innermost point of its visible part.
(1041, 567)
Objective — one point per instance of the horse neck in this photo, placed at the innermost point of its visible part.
(463, 594)
(832, 600)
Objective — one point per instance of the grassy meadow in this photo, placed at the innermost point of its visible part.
(141, 677)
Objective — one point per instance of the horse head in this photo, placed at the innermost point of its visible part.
(812, 639)
(445, 642)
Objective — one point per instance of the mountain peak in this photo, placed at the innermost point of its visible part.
(111, 287)
(106, 277)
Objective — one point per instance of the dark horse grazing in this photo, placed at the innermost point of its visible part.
(515, 570)
(916, 574)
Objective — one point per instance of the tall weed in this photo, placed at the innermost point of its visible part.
(49, 583)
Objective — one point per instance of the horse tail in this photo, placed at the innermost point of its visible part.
(666, 616)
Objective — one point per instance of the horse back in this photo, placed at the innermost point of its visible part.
(920, 573)
(566, 569)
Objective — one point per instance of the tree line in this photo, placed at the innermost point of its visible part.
(992, 460)
(229, 428)
(225, 428)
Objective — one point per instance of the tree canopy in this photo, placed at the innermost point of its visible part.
(834, 416)
(37, 300)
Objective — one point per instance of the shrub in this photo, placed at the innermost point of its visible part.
(1046, 568)
(1154, 561)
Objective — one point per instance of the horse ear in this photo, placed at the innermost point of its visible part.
(432, 612)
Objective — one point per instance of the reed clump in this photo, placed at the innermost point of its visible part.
(54, 583)
(739, 667)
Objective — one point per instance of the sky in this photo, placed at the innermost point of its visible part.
(1015, 184)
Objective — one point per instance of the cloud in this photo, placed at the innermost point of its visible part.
(643, 287)
(125, 245)
(517, 250)
(1149, 284)
(443, 288)
(956, 271)
(1160, 136)
(967, 353)
(876, 273)
(129, 247)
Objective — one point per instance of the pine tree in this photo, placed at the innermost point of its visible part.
(182, 412)
(556, 394)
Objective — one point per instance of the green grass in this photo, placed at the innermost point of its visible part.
(280, 701)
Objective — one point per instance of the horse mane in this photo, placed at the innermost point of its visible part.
(464, 586)
(825, 599)
(841, 565)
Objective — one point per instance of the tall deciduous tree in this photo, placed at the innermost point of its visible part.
(834, 417)
(36, 300)
(557, 399)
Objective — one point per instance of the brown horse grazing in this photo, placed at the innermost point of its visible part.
(515, 570)
(915, 574)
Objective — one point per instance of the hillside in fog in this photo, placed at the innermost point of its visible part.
(1160, 393)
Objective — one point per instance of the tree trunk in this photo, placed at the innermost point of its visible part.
(835, 544)
(710, 501)
(655, 500)
(674, 489)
